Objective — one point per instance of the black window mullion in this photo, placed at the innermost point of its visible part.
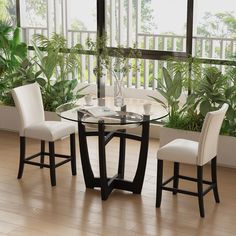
(100, 33)
(18, 13)
(189, 41)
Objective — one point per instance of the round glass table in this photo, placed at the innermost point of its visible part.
(102, 119)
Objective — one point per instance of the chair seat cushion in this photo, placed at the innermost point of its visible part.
(49, 130)
(179, 150)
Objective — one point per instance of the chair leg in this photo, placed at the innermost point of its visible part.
(200, 190)
(52, 163)
(42, 153)
(73, 154)
(22, 157)
(214, 179)
(159, 182)
(176, 177)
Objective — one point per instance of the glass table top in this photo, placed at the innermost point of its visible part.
(105, 110)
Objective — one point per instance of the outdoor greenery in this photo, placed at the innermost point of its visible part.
(220, 24)
(116, 60)
(50, 67)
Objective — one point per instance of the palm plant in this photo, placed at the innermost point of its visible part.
(229, 126)
(171, 90)
(191, 71)
(12, 54)
(12, 50)
(56, 63)
(209, 94)
(24, 74)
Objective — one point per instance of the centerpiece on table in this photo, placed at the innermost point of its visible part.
(114, 59)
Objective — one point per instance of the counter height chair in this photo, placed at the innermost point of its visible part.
(195, 153)
(28, 101)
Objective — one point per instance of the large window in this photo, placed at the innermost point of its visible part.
(34, 13)
(160, 28)
(214, 29)
(150, 24)
(82, 20)
(75, 19)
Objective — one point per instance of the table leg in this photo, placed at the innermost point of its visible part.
(105, 189)
(140, 172)
(86, 166)
(121, 167)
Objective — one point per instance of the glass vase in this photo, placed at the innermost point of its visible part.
(118, 93)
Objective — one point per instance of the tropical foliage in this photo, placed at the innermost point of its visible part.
(117, 60)
(12, 55)
(56, 64)
(51, 67)
(208, 94)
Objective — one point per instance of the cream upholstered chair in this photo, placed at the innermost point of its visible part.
(28, 101)
(195, 153)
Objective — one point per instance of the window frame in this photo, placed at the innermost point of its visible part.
(146, 53)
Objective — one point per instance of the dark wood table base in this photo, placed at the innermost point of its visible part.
(116, 182)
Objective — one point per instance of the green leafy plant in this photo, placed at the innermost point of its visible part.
(171, 91)
(12, 50)
(191, 71)
(56, 63)
(115, 59)
(229, 125)
(186, 120)
(24, 74)
(209, 94)
(12, 56)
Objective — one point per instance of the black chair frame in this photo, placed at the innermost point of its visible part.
(199, 180)
(52, 165)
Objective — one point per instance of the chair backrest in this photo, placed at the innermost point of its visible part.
(29, 103)
(210, 134)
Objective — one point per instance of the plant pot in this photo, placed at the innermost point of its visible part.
(9, 119)
(50, 115)
(226, 148)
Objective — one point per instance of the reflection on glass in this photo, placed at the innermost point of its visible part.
(150, 24)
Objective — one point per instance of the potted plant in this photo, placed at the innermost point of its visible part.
(12, 55)
(229, 126)
(186, 121)
(56, 64)
(50, 68)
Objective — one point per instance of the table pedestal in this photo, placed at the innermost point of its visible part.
(116, 182)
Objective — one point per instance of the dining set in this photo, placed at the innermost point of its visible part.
(99, 117)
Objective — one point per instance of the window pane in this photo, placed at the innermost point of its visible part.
(82, 15)
(8, 11)
(214, 28)
(34, 13)
(150, 24)
(74, 19)
(82, 20)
